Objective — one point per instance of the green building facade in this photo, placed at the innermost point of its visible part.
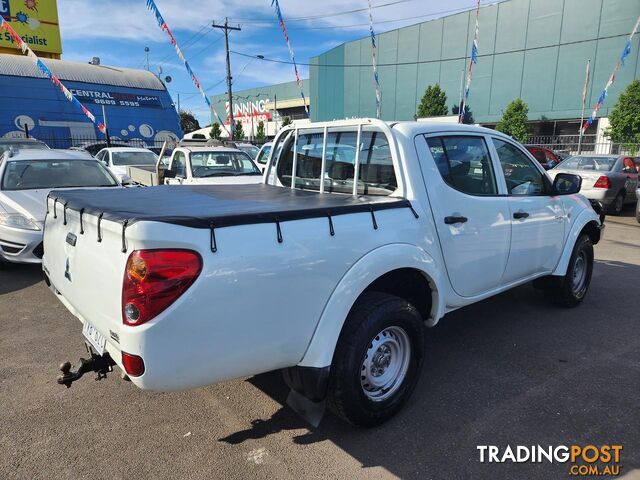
(533, 49)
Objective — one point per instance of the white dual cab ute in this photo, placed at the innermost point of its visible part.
(332, 281)
(195, 162)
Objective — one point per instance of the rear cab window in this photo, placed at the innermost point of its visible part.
(376, 173)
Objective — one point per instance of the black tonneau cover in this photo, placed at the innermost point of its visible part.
(215, 206)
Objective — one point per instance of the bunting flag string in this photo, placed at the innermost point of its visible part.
(374, 50)
(4, 25)
(472, 62)
(151, 5)
(276, 5)
(620, 61)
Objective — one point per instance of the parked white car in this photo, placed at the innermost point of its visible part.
(263, 156)
(211, 166)
(118, 159)
(27, 177)
(347, 259)
(248, 148)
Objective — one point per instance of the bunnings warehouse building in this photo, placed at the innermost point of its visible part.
(533, 49)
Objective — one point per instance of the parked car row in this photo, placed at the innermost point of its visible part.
(30, 170)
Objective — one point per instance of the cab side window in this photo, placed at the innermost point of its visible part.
(521, 175)
(179, 165)
(464, 163)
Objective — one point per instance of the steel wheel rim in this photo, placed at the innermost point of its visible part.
(579, 272)
(385, 363)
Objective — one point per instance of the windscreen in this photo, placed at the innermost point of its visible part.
(47, 174)
(4, 147)
(134, 158)
(222, 164)
(598, 164)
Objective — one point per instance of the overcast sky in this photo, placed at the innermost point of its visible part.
(117, 31)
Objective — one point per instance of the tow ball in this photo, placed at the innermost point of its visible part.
(101, 364)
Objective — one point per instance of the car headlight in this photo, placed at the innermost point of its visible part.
(17, 220)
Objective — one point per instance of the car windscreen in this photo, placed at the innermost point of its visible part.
(134, 158)
(4, 147)
(35, 174)
(586, 163)
(222, 164)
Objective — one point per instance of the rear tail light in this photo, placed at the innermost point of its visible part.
(133, 364)
(602, 182)
(154, 279)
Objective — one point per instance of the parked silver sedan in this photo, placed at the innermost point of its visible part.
(26, 178)
(610, 179)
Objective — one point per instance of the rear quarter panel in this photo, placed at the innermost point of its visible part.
(257, 302)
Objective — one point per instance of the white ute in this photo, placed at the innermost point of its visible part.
(332, 281)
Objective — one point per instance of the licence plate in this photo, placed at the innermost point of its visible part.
(94, 337)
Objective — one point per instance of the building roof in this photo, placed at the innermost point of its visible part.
(21, 66)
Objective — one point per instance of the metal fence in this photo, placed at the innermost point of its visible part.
(590, 144)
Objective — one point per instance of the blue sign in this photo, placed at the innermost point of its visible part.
(5, 10)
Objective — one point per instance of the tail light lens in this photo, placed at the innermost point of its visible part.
(133, 364)
(602, 182)
(154, 279)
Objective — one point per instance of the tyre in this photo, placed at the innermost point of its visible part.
(572, 288)
(377, 361)
(618, 203)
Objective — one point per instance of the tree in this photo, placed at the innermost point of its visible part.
(260, 135)
(238, 132)
(188, 122)
(286, 121)
(624, 118)
(433, 103)
(468, 114)
(215, 132)
(514, 120)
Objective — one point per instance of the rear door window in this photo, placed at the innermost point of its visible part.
(464, 163)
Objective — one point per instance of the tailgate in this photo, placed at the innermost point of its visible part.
(85, 272)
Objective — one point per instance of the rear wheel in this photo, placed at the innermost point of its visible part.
(572, 288)
(618, 203)
(377, 360)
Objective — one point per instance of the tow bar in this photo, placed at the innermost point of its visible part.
(101, 364)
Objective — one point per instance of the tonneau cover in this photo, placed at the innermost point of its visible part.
(215, 206)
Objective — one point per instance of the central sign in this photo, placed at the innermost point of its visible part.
(116, 98)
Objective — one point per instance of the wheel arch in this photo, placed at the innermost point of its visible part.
(388, 268)
(586, 223)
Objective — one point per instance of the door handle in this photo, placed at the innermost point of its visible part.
(454, 219)
(520, 214)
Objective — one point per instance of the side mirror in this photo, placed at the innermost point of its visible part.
(566, 184)
(169, 174)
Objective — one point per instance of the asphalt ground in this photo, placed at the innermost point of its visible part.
(512, 370)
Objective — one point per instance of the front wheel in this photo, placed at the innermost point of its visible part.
(572, 288)
(377, 360)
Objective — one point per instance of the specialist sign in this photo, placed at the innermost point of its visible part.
(36, 21)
